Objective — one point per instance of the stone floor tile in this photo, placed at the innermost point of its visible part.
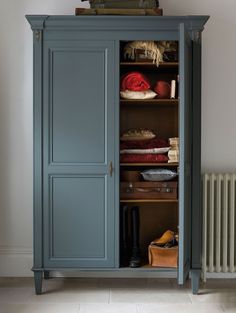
(123, 283)
(82, 295)
(39, 308)
(15, 295)
(108, 308)
(229, 308)
(179, 308)
(214, 296)
(146, 296)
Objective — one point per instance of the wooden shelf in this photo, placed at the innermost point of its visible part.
(148, 64)
(150, 164)
(147, 267)
(152, 102)
(149, 201)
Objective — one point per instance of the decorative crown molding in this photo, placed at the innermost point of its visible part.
(36, 21)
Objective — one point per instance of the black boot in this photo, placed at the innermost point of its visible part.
(135, 260)
(124, 247)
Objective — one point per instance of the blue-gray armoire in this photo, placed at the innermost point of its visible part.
(78, 119)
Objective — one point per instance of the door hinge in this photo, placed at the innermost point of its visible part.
(37, 34)
(197, 36)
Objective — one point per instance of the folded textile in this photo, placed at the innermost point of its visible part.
(173, 161)
(162, 89)
(134, 81)
(174, 141)
(137, 134)
(159, 174)
(145, 151)
(173, 153)
(144, 144)
(151, 48)
(138, 95)
(143, 158)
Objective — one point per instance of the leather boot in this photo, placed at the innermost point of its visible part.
(124, 246)
(135, 260)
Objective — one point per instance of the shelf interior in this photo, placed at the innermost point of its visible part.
(162, 117)
(150, 64)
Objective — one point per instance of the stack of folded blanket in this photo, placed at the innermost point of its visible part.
(135, 81)
(135, 85)
(144, 151)
(173, 153)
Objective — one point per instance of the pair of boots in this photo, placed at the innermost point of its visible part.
(135, 258)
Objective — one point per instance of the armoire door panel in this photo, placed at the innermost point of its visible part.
(73, 218)
(79, 92)
(78, 146)
(78, 224)
(185, 131)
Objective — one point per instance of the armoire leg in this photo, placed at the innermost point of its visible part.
(195, 280)
(46, 275)
(38, 277)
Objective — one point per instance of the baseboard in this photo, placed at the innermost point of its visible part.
(221, 275)
(18, 261)
(15, 261)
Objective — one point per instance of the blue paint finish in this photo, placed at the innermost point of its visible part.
(37, 117)
(76, 224)
(76, 136)
(78, 105)
(78, 144)
(185, 52)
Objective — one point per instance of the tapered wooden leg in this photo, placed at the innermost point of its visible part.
(195, 280)
(38, 277)
(46, 275)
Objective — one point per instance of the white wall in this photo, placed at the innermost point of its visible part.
(219, 110)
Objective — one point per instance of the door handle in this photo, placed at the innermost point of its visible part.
(110, 168)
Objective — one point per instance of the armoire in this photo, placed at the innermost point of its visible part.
(78, 119)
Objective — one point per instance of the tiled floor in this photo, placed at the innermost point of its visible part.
(80, 295)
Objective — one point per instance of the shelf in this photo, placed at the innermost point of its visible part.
(152, 102)
(149, 201)
(150, 164)
(150, 268)
(150, 64)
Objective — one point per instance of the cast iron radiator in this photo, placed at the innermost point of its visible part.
(219, 203)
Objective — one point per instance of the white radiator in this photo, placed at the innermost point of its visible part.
(219, 244)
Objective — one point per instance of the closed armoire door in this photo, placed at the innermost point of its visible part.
(78, 157)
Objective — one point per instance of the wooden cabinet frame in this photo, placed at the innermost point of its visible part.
(185, 29)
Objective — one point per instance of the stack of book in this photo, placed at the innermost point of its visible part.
(125, 4)
(173, 153)
(121, 7)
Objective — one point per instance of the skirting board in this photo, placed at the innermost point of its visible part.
(17, 262)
